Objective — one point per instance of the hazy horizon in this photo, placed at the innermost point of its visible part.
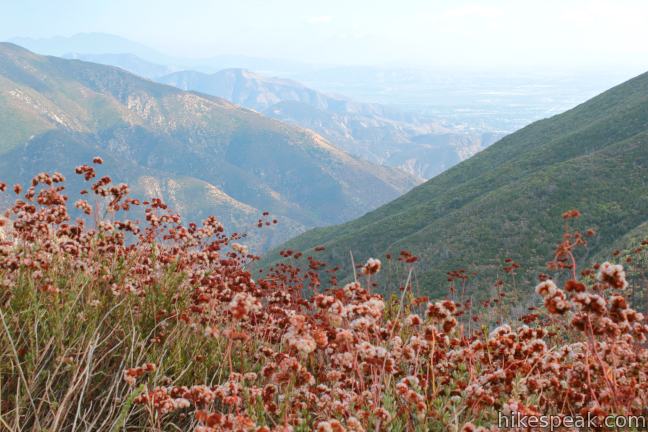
(598, 35)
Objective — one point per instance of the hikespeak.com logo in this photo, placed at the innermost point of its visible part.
(516, 420)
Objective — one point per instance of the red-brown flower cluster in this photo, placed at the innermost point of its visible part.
(294, 354)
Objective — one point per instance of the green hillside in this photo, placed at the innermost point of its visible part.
(203, 154)
(507, 200)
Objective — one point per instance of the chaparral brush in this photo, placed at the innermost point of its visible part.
(110, 323)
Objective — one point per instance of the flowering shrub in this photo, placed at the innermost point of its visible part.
(110, 324)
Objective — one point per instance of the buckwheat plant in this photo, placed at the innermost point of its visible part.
(145, 323)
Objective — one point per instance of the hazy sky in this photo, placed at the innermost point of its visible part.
(486, 33)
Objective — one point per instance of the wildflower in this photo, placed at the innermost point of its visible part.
(374, 307)
(303, 343)
(574, 286)
(320, 337)
(324, 427)
(372, 266)
(181, 403)
(438, 311)
(83, 206)
(241, 249)
(363, 323)
(612, 274)
(371, 352)
(352, 289)
(591, 303)
(244, 304)
(298, 337)
(500, 331)
(354, 425)
(571, 214)
(413, 320)
(546, 288)
(131, 375)
(383, 415)
(343, 336)
(556, 303)
(469, 427)
(324, 301)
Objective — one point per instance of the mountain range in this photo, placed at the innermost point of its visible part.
(201, 153)
(507, 201)
(422, 146)
(108, 48)
(485, 99)
(127, 61)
